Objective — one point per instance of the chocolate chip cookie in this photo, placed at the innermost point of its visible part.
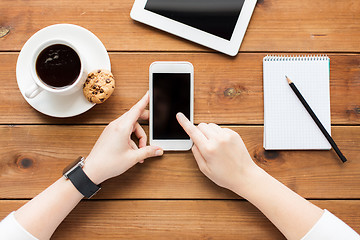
(99, 85)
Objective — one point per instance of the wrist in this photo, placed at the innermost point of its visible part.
(247, 181)
(93, 172)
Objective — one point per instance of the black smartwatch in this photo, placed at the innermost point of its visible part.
(81, 181)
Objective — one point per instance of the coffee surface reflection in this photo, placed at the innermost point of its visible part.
(58, 66)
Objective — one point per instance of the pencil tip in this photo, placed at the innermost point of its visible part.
(288, 79)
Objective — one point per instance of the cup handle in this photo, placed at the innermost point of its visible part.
(33, 91)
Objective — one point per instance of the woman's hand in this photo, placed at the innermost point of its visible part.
(115, 152)
(220, 153)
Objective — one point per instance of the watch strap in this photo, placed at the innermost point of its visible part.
(83, 183)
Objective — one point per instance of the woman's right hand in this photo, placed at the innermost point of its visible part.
(220, 154)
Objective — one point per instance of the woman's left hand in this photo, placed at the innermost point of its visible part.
(115, 152)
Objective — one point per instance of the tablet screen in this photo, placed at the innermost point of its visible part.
(217, 17)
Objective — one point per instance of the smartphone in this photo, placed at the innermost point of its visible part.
(171, 88)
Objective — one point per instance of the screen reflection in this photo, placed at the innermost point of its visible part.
(217, 17)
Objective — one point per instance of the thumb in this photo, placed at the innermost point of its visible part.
(147, 152)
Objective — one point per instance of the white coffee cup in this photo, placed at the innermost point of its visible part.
(38, 85)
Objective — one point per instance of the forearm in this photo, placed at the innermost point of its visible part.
(44, 213)
(293, 215)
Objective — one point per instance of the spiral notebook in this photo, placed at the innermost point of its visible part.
(287, 124)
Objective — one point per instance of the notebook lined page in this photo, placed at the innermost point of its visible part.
(287, 124)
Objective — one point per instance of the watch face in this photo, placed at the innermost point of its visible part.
(71, 166)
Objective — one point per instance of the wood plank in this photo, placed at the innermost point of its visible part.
(277, 25)
(177, 219)
(36, 155)
(227, 90)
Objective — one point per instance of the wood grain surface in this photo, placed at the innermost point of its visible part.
(227, 90)
(276, 25)
(36, 155)
(168, 197)
(187, 219)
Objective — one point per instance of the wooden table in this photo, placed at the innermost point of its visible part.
(168, 197)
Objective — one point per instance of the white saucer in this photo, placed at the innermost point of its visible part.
(94, 53)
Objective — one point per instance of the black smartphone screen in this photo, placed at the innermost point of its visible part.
(217, 17)
(171, 94)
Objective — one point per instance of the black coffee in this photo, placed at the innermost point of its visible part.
(58, 65)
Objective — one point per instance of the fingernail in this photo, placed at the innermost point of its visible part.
(179, 114)
(159, 152)
(146, 94)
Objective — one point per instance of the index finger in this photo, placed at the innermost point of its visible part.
(195, 134)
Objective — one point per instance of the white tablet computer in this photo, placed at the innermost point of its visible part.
(217, 24)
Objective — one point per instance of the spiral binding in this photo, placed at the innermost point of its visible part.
(284, 58)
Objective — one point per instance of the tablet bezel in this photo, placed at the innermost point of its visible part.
(139, 13)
